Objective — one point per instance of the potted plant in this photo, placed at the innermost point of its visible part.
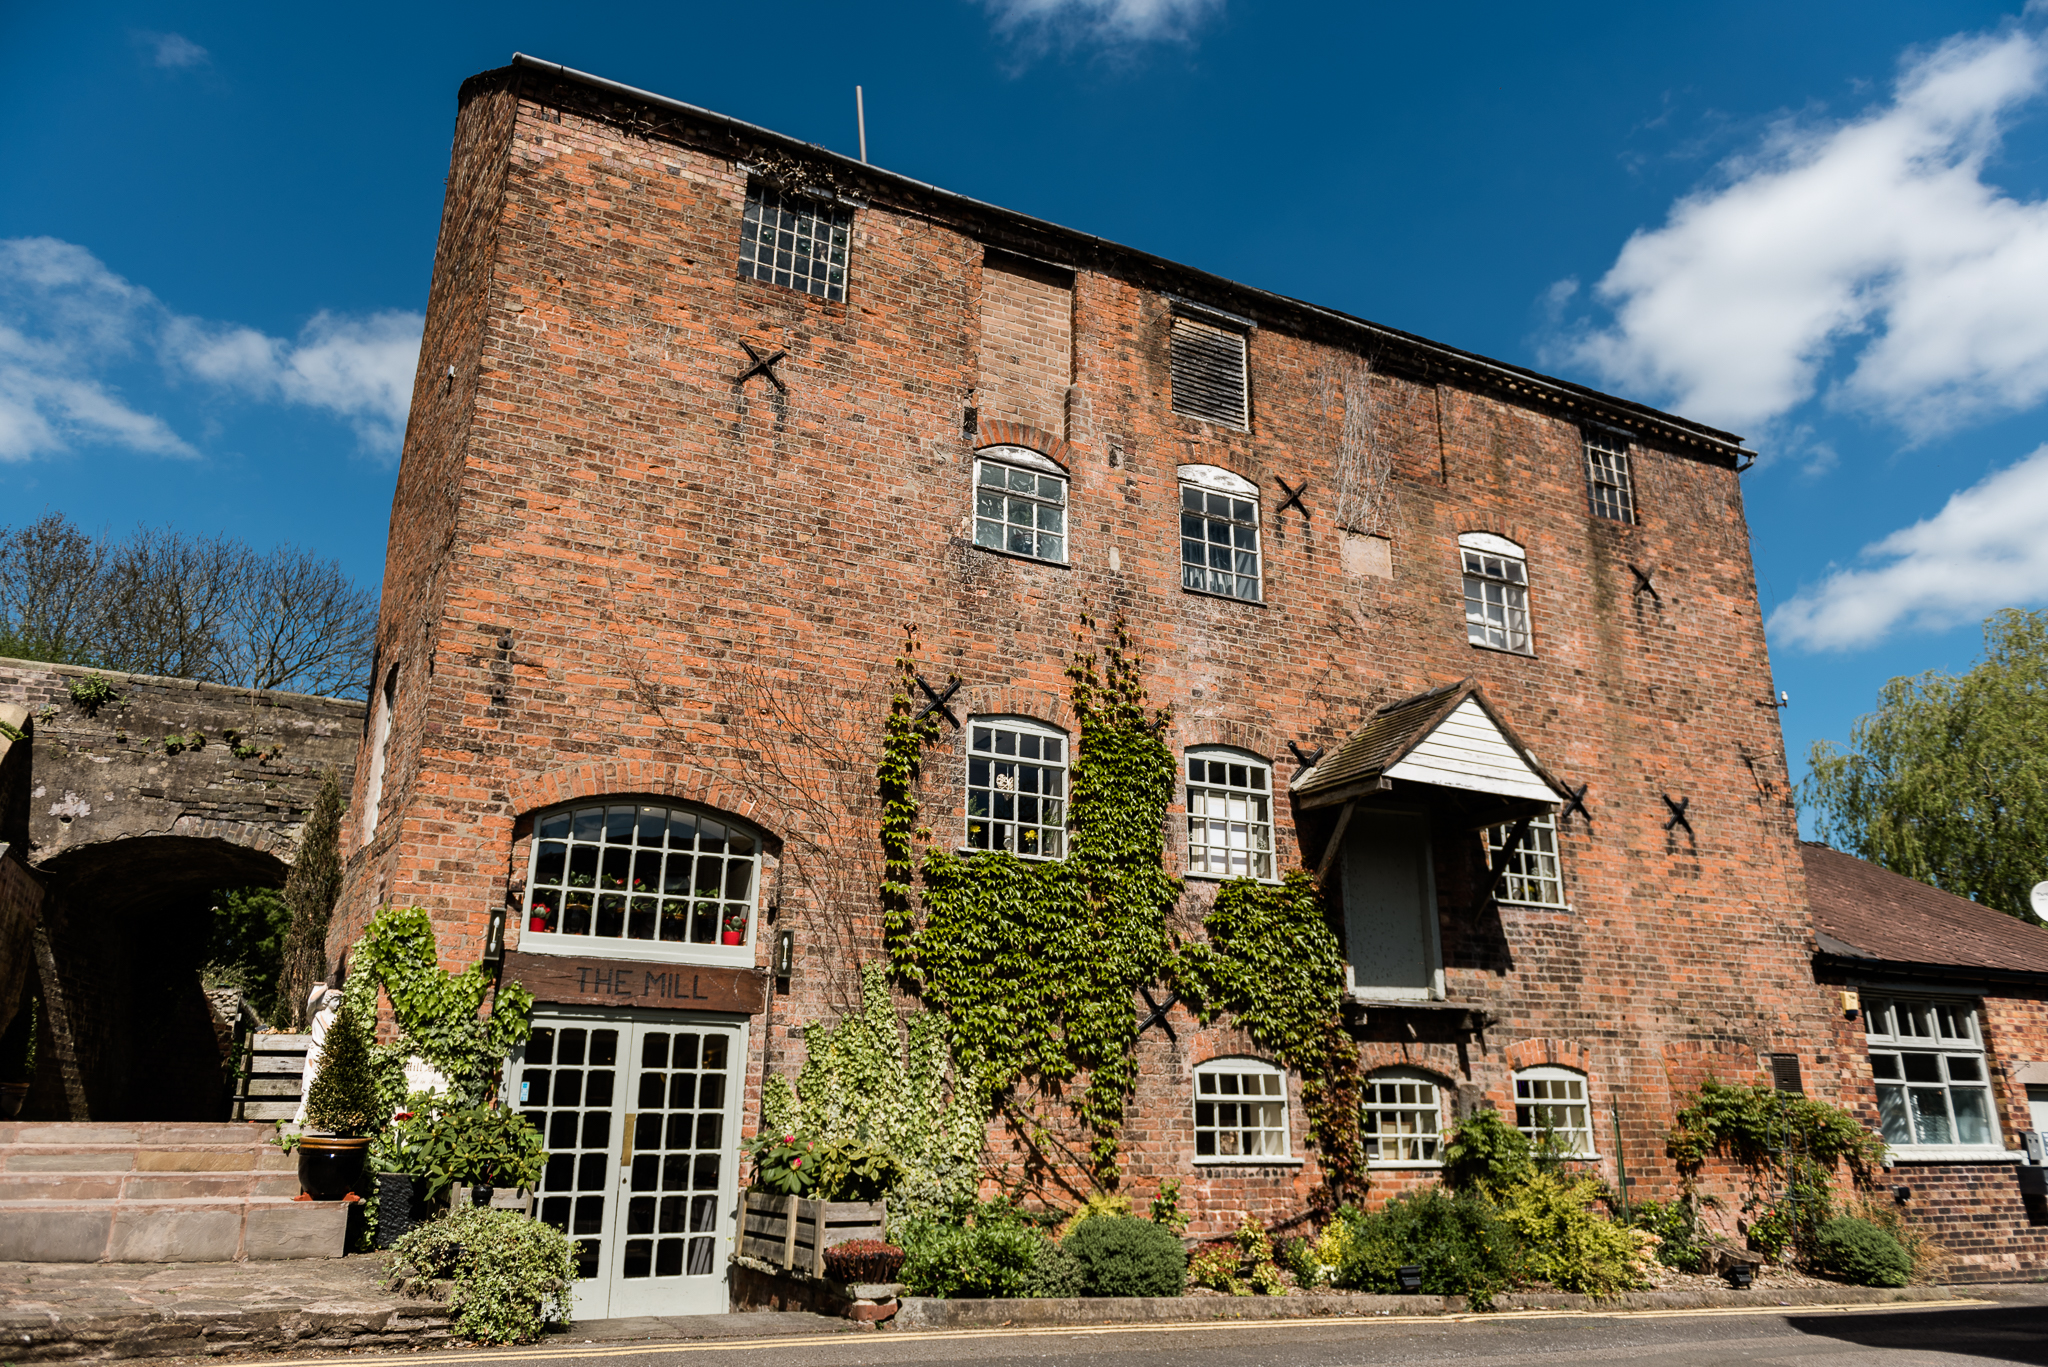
(341, 1112)
(18, 1059)
(735, 932)
(462, 1154)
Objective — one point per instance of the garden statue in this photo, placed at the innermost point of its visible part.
(322, 1004)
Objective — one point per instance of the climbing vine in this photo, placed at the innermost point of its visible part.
(1034, 965)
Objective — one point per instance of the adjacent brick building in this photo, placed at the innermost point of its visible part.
(706, 418)
(1944, 1010)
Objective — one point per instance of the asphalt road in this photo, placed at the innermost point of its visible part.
(1949, 1336)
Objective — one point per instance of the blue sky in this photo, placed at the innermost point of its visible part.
(1822, 225)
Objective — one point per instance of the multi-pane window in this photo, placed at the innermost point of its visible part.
(794, 240)
(1928, 1060)
(1607, 479)
(1219, 533)
(1020, 505)
(1496, 592)
(679, 1149)
(1551, 1108)
(566, 1081)
(1402, 1118)
(1230, 815)
(625, 872)
(1240, 1110)
(1530, 875)
(1016, 788)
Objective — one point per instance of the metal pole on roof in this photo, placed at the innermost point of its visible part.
(860, 113)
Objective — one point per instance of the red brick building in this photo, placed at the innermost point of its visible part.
(706, 417)
(1944, 1005)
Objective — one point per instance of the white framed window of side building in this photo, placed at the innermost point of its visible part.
(1016, 787)
(1531, 876)
(1933, 1088)
(1553, 1102)
(1403, 1119)
(1230, 814)
(1609, 487)
(1219, 533)
(1496, 592)
(1240, 1112)
(795, 240)
(642, 880)
(1020, 503)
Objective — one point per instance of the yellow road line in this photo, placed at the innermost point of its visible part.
(546, 1352)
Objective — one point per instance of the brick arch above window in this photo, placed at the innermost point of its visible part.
(1001, 432)
(1006, 700)
(1498, 526)
(688, 783)
(1251, 737)
(1552, 1053)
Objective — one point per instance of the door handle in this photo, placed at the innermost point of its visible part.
(626, 1148)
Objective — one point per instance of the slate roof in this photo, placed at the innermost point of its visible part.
(1395, 730)
(1861, 911)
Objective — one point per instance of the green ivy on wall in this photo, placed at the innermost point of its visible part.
(1035, 965)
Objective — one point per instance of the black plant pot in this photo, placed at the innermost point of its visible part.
(394, 1207)
(331, 1167)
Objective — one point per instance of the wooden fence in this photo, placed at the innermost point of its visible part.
(791, 1232)
(273, 1075)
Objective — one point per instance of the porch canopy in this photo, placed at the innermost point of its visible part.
(1449, 749)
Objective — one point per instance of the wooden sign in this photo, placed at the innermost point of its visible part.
(564, 980)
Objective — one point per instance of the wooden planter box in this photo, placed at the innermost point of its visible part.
(793, 1233)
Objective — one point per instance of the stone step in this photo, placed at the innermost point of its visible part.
(145, 1186)
(93, 1158)
(142, 1133)
(179, 1230)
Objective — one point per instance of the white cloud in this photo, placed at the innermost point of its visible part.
(1983, 551)
(1111, 21)
(1874, 244)
(174, 51)
(66, 321)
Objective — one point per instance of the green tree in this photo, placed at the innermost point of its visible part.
(1947, 781)
(245, 941)
(309, 893)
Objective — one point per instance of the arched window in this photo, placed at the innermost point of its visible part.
(1230, 814)
(1020, 503)
(644, 879)
(1553, 1102)
(1219, 533)
(1402, 1119)
(380, 745)
(1496, 592)
(1016, 787)
(1240, 1111)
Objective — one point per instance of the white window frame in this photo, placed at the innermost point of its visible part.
(805, 214)
(1608, 468)
(1579, 1138)
(380, 755)
(1016, 460)
(1953, 1047)
(1487, 560)
(1019, 727)
(1232, 807)
(537, 904)
(1535, 864)
(1433, 1107)
(1270, 1098)
(1210, 483)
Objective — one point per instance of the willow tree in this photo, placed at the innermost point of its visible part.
(1947, 781)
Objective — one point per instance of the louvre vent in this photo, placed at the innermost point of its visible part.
(1208, 373)
(1785, 1073)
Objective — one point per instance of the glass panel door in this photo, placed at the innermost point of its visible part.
(641, 1121)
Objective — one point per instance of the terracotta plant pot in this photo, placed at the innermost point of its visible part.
(331, 1167)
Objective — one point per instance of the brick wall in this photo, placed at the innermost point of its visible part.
(1026, 352)
(615, 570)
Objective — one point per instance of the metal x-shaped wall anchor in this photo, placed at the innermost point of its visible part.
(1307, 761)
(1158, 1016)
(1293, 499)
(938, 701)
(1643, 584)
(1575, 801)
(762, 365)
(1678, 814)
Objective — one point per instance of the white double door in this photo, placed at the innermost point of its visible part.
(640, 1114)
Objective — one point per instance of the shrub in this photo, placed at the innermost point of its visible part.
(1858, 1251)
(1485, 1155)
(993, 1257)
(853, 1171)
(466, 1146)
(343, 1097)
(1057, 1273)
(1569, 1244)
(512, 1274)
(787, 1163)
(1215, 1267)
(1124, 1256)
(863, 1260)
(1459, 1241)
(1677, 1228)
(1166, 1207)
(1098, 1205)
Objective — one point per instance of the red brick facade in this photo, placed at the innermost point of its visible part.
(616, 571)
